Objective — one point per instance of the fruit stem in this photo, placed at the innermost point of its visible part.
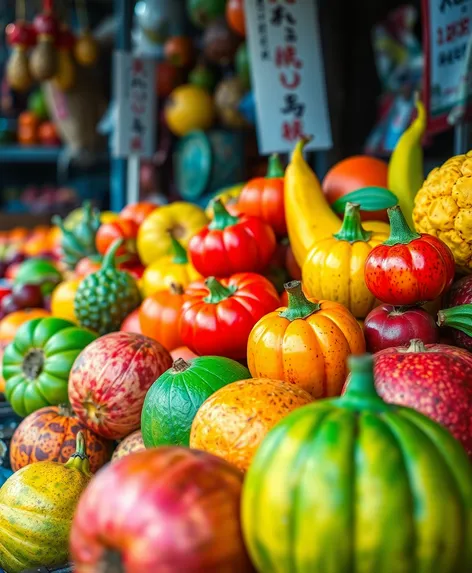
(180, 365)
(109, 258)
(79, 460)
(180, 254)
(176, 288)
(218, 292)
(299, 307)
(275, 169)
(65, 410)
(400, 232)
(352, 230)
(361, 383)
(458, 317)
(221, 218)
(416, 345)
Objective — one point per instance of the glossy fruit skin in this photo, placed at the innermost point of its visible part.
(36, 365)
(131, 444)
(222, 328)
(193, 500)
(37, 505)
(233, 422)
(174, 399)
(404, 456)
(161, 274)
(459, 294)
(189, 108)
(88, 265)
(109, 381)
(131, 323)
(264, 197)
(309, 352)
(246, 244)
(137, 212)
(184, 353)
(10, 324)
(159, 317)
(235, 16)
(62, 299)
(38, 271)
(355, 173)
(181, 219)
(388, 326)
(108, 233)
(106, 297)
(49, 434)
(437, 383)
(334, 267)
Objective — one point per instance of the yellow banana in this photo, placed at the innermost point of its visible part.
(405, 169)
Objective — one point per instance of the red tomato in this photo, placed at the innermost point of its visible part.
(408, 268)
(264, 197)
(168, 77)
(88, 265)
(219, 315)
(125, 229)
(231, 244)
(235, 16)
(137, 212)
(136, 271)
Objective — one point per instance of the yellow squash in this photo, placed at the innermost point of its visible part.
(308, 213)
(334, 267)
(173, 269)
(37, 505)
(179, 220)
(228, 196)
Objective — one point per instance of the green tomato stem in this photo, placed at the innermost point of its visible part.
(109, 261)
(221, 218)
(458, 317)
(275, 169)
(400, 232)
(218, 292)
(352, 230)
(299, 307)
(180, 254)
(79, 460)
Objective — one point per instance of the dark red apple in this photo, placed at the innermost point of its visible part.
(28, 296)
(388, 326)
(435, 379)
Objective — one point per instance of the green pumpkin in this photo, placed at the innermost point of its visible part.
(38, 272)
(78, 240)
(203, 12)
(37, 505)
(105, 298)
(354, 484)
(37, 363)
(173, 400)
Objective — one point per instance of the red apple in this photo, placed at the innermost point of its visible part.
(28, 296)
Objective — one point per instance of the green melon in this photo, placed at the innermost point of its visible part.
(175, 397)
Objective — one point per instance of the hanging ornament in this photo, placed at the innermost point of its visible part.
(44, 57)
(66, 73)
(86, 47)
(21, 37)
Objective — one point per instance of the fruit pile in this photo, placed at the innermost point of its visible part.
(211, 390)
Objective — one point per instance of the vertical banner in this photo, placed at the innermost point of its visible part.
(135, 106)
(287, 74)
(447, 33)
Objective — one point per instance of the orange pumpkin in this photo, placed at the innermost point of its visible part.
(49, 434)
(183, 352)
(137, 212)
(27, 128)
(133, 443)
(18, 234)
(306, 343)
(234, 420)
(159, 316)
(12, 322)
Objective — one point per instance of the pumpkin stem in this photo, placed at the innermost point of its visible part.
(218, 292)
(352, 229)
(79, 460)
(180, 254)
(109, 261)
(221, 218)
(176, 288)
(299, 307)
(400, 232)
(361, 383)
(180, 365)
(65, 410)
(458, 317)
(416, 345)
(275, 169)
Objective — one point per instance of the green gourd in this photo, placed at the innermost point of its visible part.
(173, 400)
(353, 484)
(106, 297)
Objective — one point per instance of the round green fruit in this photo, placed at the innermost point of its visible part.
(39, 272)
(203, 12)
(36, 365)
(203, 77)
(355, 484)
(173, 400)
(38, 105)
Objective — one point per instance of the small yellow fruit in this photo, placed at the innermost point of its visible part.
(188, 108)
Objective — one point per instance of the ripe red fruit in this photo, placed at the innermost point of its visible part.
(28, 296)
(9, 305)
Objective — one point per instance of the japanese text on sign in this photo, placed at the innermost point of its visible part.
(134, 90)
(448, 81)
(288, 74)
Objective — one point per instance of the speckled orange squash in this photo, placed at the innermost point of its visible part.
(49, 435)
(306, 343)
(234, 420)
(133, 443)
